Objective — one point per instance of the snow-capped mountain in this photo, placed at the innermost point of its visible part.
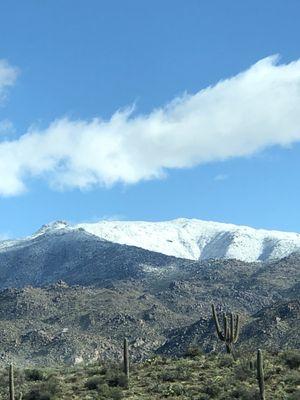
(196, 239)
(183, 238)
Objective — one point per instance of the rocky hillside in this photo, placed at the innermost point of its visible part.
(160, 310)
(74, 256)
(69, 296)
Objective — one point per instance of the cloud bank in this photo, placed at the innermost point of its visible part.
(239, 116)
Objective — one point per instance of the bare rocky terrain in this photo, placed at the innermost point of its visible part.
(70, 297)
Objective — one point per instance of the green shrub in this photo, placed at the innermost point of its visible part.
(226, 361)
(212, 389)
(242, 372)
(179, 374)
(292, 377)
(295, 395)
(178, 389)
(37, 394)
(116, 393)
(104, 390)
(51, 385)
(34, 375)
(193, 351)
(292, 358)
(243, 393)
(94, 382)
(117, 379)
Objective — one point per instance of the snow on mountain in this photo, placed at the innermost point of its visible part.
(196, 239)
(184, 238)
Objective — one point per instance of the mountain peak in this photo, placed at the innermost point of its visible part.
(52, 226)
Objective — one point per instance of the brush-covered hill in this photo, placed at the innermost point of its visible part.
(196, 377)
(163, 311)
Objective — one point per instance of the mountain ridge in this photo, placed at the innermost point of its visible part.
(191, 239)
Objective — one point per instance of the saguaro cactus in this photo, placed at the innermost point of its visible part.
(260, 374)
(230, 333)
(11, 383)
(126, 358)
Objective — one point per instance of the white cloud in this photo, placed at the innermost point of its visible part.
(8, 75)
(237, 117)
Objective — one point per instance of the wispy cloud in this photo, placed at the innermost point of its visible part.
(108, 217)
(221, 177)
(8, 75)
(237, 117)
(6, 127)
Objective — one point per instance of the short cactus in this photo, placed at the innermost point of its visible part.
(11, 383)
(126, 358)
(230, 333)
(260, 374)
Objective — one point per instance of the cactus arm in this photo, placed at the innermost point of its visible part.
(217, 323)
(236, 329)
(226, 329)
(231, 318)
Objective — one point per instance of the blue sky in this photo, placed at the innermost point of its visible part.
(74, 61)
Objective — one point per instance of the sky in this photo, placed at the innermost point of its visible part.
(113, 109)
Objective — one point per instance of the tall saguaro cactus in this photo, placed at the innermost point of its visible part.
(126, 358)
(260, 374)
(11, 383)
(230, 333)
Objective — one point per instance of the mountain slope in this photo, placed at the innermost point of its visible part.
(74, 256)
(183, 238)
(195, 239)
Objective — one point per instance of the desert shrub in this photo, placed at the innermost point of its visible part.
(117, 379)
(293, 378)
(295, 395)
(115, 393)
(212, 389)
(226, 361)
(168, 376)
(242, 372)
(94, 382)
(34, 375)
(180, 373)
(183, 373)
(37, 394)
(178, 389)
(203, 396)
(243, 393)
(51, 385)
(193, 351)
(170, 390)
(106, 392)
(292, 358)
